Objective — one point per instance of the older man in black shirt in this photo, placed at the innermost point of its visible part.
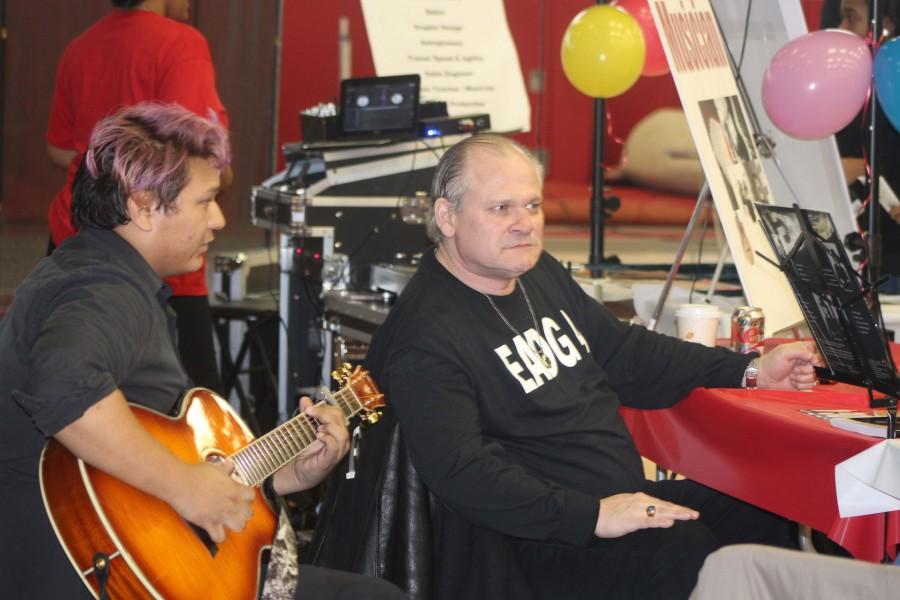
(89, 328)
(507, 379)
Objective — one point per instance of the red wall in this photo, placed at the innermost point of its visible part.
(812, 10)
(562, 118)
(309, 57)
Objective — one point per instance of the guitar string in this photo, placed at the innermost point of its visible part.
(296, 444)
(339, 396)
(351, 393)
(281, 439)
(251, 470)
(257, 458)
(287, 441)
(355, 397)
(265, 455)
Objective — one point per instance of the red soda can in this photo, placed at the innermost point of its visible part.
(747, 328)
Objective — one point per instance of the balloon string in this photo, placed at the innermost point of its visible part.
(863, 207)
(873, 43)
(610, 133)
(876, 43)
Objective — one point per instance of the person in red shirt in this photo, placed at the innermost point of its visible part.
(138, 52)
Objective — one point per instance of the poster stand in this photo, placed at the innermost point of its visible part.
(703, 200)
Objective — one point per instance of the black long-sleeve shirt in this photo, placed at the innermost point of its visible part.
(507, 443)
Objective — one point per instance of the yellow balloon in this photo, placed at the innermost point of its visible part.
(603, 51)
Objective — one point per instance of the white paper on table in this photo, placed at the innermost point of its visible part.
(463, 50)
(869, 482)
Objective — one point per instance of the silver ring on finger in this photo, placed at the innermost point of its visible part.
(651, 511)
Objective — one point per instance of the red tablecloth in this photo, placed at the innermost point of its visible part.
(756, 445)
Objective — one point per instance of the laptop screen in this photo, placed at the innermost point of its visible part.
(380, 105)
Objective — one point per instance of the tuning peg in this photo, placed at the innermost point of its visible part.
(370, 418)
(342, 375)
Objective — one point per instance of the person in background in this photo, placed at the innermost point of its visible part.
(830, 15)
(853, 143)
(139, 51)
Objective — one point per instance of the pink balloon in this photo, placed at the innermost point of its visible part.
(817, 83)
(655, 62)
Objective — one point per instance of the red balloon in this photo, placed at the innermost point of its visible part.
(655, 62)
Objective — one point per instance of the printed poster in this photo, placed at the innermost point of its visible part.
(805, 172)
(722, 134)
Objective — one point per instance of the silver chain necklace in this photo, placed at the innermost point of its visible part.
(539, 350)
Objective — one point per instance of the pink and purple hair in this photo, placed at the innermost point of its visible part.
(142, 148)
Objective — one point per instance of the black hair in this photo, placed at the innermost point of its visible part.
(142, 150)
(126, 3)
(99, 202)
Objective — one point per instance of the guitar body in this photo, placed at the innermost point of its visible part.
(153, 552)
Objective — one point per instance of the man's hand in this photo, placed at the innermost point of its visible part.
(624, 513)
(210, 498)
(789, 367)
(109, 437)
(320, 457)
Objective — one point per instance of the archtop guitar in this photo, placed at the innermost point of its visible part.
(138, 544)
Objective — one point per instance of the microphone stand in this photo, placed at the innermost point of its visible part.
(597, 201)
(597, 204)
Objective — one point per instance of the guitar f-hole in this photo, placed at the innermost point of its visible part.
(212, 455)
(215, 456)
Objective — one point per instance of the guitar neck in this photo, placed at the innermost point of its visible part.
(267, 454)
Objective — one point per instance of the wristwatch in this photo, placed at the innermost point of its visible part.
(751, 374)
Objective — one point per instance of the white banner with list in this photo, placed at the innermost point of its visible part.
(462, 49)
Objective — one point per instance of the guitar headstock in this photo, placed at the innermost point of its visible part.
(359, 382)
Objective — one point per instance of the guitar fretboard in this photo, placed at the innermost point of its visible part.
(267, 454)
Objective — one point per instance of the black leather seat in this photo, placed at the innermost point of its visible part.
(384, 522)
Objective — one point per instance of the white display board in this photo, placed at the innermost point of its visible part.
(723, 137)
(462, 49)
(804, 172)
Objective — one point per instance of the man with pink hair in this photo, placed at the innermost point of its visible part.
(90, 331)
(143, 50)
